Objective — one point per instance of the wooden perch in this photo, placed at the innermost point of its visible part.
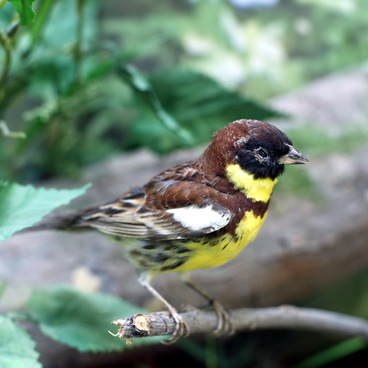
(283, 317)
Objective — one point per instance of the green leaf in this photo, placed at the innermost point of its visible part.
(147, 95)
(22, 206)
(200, 106)
(17, 349)
(192, 96)
(25, 10)
(81, 320)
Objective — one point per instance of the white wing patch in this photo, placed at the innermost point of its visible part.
(195, 218)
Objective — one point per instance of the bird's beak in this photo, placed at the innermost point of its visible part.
(293, 158)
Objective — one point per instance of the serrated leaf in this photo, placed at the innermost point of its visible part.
(81, 320)
(25, 10)
(17, 349)
(22, 206)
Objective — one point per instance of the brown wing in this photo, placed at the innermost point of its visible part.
(168, 209)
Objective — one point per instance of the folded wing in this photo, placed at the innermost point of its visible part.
(168, 210)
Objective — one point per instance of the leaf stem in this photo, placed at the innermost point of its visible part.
(79, 43)
(5, 43)
(143, 88)
(41, 20)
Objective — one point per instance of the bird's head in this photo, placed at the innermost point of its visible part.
(257, 147)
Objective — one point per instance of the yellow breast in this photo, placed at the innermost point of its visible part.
(213, 253)
(216, 252)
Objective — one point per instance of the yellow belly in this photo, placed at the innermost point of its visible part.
(217, 252)
(208, 255)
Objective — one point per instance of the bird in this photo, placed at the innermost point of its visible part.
(199, 214)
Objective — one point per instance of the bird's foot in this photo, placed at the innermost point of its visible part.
(224, 324)
(181, 327)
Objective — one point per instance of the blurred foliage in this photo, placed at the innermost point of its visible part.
(257, 50)
(193, 99)
(347, 296)
(60, 313)
(318, 141)
(77, 97)
(333, 354)
(25, 10)
(71, 79)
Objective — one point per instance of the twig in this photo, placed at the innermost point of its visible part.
(289, 317)
(6, 132)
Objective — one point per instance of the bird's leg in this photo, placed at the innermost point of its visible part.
(181, 328)
(224, 325)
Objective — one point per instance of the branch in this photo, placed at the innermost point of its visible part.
(289, 317)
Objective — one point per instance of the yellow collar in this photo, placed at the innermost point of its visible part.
(255, 189)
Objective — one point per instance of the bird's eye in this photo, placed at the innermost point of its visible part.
(261, 152)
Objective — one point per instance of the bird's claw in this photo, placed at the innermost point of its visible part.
(224, 324)
(181, 328)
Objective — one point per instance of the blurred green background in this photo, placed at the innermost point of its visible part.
(85, 80)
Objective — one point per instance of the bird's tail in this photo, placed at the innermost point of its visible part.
(64, 222)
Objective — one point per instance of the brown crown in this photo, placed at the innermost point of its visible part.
(222, 149)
